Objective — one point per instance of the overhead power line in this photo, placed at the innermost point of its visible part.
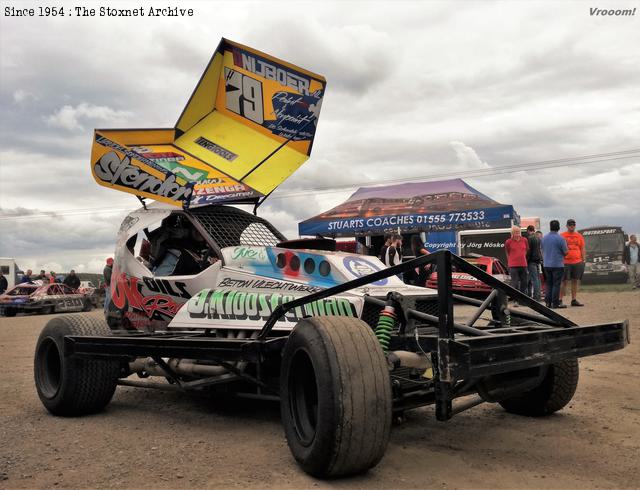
(481, 172)
(475, 173)
(65, 212)
(517, 167)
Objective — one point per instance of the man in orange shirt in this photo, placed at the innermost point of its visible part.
(573, 262)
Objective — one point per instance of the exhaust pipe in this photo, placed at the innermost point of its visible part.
(187, 367)
(411, 360)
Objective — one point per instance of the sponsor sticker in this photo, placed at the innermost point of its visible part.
(215, 148)
(229, 304)
(463, 276)
(112, 170)
(610, 231)
(269, 284)
(361, 267)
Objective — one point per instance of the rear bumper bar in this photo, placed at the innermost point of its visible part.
(519, 348)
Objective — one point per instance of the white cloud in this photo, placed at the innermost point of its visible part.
(414, 89)
(467, 156)
(70, 118)
(21, 95)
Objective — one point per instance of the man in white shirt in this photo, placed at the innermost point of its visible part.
(631, 260)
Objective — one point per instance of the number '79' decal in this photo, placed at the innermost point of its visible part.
(244, 95)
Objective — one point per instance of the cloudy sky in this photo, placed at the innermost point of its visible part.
(415, 89)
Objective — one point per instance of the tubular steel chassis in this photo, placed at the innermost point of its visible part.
(462, 355)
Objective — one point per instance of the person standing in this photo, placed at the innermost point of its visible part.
(26, 277)
(554, 248)
(418, 249)
(72, 280)
(42, 277)
(52, 277)
(516, 249)
(383, 250)
(573, 262)
(393, 254)
(534, 257)
(631, 258)
(544, 277)
(106, 272)
(3, 283)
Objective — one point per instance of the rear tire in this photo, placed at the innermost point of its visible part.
(88, 305)
(553, 394)
(70, 385)
(335, 396)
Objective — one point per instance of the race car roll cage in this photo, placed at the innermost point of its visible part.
(490, 362)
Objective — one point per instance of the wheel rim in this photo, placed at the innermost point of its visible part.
(49, 368)
(303, 397)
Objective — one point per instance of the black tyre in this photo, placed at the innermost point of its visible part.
(9, 312)
(553, 394)
(71, 385)
(87, 305)
(335, 396)
(49, 310)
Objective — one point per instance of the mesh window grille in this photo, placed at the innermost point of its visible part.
(428, 306)
(230, 227)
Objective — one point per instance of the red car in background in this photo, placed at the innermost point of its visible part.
(46, 298)
(462, 282)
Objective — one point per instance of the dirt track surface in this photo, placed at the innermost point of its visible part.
(151, 439)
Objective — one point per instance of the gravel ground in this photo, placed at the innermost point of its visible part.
(150, 439)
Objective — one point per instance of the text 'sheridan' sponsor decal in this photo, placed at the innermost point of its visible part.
(229, 304)
(120, 172)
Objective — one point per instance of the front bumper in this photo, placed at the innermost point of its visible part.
(20, 307)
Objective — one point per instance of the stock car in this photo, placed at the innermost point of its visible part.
(463, 282)
(43, 298)
(328, 333)
(91, 291)
(205, 296)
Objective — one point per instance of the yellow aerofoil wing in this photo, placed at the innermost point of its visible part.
(249, 124)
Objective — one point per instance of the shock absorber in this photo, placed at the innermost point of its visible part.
(385, 326)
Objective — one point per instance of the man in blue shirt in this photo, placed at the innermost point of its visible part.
(554, 248)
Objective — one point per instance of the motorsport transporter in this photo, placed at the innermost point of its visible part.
(207, 296)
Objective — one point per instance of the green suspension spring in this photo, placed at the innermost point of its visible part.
(385, 326)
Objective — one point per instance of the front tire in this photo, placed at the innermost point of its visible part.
(70, 385)
(335, 396)
(553, 394)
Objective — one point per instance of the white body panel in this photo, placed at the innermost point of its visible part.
(240, 290)
(251, 285)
